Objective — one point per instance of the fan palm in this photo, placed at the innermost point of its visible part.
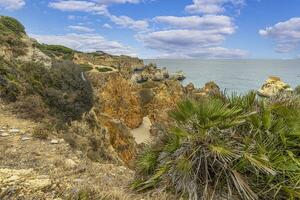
(237, 148)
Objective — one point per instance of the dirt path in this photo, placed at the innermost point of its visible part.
(31, 168)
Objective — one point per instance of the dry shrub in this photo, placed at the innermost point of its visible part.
(32, 107)
(42, 131)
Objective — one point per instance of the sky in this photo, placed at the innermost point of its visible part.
(222, 29)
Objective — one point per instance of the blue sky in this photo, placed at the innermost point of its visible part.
(165, 28)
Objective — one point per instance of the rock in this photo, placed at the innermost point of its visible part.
(14, 130)
(2, 130)
(25, 138)
(139, 78)
(120, 100)
(138, 68)
(165, 73)
(273, 86)
(210, 88)
(190, 88)
(70, 164)
(178, 76)
(54, 141)
(39, 184)
(158, 76)
(4, 134)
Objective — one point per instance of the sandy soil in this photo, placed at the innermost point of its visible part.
(142, 133)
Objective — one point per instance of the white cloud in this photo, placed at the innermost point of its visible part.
(107, 26)
(285, 34)
(84, 6)
(196, 22)
(211, 6)
(81, 28)
(190, 43)
(208, 53)
(75, 17)
(12, 4)
(100, 7)
(86, 43)
(127, 22)
(192, 36)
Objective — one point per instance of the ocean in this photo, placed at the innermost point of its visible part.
(233, 75)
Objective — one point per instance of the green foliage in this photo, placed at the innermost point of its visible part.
(61, 88)
(55, 51)
(297, 90)
(9, 25)
(10, 35)
(104, 69)
(231, 147)
(86, 67)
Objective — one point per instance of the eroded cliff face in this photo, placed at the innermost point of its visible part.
(16, 45)
(104, 59)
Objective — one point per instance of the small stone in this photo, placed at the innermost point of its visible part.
(25, 138)
(4, 134)
(14, 130)
(39, 184)
(70, 164)
(54, 141)
(2, 130)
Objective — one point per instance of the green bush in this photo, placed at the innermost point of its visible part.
(10, 35)
(61, 87)
(297, 90)
(9, 25)
(232, 148)
(104, 69)
(86, 67)
(57, 51)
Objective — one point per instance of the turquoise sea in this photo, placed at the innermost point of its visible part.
(233, 75)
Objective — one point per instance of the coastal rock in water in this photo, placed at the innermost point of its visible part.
(178, 76)
(158, 76)
(273, 86)
(190, 88)
(210, 88)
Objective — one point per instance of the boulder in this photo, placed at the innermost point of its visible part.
(210, 88)
(272, 86)
(165, 72)
(138, 68)
(178, 76)
(139, 78)
(158, 76)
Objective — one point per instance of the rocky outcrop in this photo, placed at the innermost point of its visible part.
(152, 73)
(178, 76)
(273, 86)
(120, 138)
(119, 99)
(104, 59)
(16, 45)
(209, 89)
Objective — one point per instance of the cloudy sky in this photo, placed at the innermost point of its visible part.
(165, 28)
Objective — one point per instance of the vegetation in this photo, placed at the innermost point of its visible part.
(297, 90)
(57, 51)
(235, 147)
(9, 25)
(10, 35)
(86, 67)
(59, 89)
(103, 69)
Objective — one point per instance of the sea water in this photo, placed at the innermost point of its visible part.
(233, 75)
